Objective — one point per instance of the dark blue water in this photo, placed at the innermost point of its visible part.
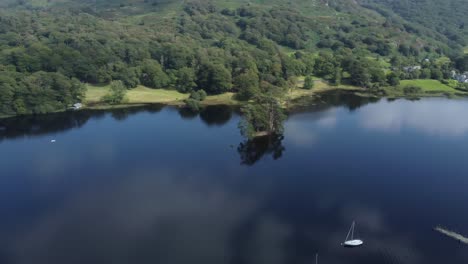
(162, 185)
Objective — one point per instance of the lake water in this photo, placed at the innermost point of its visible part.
(160, 185)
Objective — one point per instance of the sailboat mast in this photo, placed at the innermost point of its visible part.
(349, 232)
(352, 230)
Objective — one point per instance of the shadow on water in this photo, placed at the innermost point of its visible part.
(253, 150)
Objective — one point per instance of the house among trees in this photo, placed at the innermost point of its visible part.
(77, 106)
(461, 77)
(409, 69)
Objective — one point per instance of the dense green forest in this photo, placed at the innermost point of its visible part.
(447, 18)
(49, 49)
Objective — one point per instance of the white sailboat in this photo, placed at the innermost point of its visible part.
(350, 241)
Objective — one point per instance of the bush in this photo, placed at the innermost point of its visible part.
(308, 83)
(393, 79)
(193, 105)
(412, 90)
(462, 87)
(202, 94)
(117, 93)
(199, 95)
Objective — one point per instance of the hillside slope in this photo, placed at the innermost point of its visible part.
(448, 17)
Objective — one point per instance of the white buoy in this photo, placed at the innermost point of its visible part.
(352, 242)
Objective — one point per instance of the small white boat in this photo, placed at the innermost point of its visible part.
(53, 141)
(350, 241)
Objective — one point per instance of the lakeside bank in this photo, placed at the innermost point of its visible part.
(295, 96)
(143, 95)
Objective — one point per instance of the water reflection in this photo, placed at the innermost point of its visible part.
(347, 99)
(212, 115)
(216, 115)
(328, 100)
(253, 150)
(44, 124)
(114, 200)
(36, 125)
(302, 130)
(120, 114)
(432, 116)
(186, 113)
(146, 217)
(151, 216)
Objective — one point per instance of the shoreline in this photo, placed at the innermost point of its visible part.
(142, 95)
(293, 96)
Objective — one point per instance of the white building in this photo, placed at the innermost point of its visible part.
(463, 77)
(77, 106)
(412, 68)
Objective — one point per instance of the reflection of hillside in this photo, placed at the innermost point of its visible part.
(36, 125)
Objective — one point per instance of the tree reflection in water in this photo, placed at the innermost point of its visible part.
(253, 150)
(37, 125)
(120, 114)
(216, 115)
(186, 113)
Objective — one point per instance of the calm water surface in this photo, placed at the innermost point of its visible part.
(162, 185)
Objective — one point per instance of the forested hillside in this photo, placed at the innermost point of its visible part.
(50, 48)
(448, 18)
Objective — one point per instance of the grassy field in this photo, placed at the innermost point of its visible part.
(138, 95)
(145, 95)
(142, 94)
(428, 85)
(95, 93)
(428, 88)
(319, 86)
(225, 99)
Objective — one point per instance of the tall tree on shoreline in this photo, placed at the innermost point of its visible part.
(263, 117)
